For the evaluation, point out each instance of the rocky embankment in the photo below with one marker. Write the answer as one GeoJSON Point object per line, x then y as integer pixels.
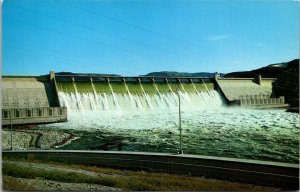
{"type": "Point", "coordinates": [34, 139]}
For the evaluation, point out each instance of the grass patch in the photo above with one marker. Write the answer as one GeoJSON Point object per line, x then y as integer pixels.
{"type": "Point", "coordinates": [14, 170]}
{"type": "Point", "coordinates": [127, 180]}
{"type": "Point", "coordinates": [12, 184]}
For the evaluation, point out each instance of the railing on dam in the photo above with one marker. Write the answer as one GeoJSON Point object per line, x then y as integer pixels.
{"type": "Point", "coordinates": [260, 100]}
{"type": "Point", "coordinates": [32, 115]}
{"type": "Point", "coordinates": [163, 79]}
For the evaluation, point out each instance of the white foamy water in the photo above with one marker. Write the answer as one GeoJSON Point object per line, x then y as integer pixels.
{"type": "Point", "coordinates": [129, 102]}
{"type": "Point", "coordinates": [150, 123]}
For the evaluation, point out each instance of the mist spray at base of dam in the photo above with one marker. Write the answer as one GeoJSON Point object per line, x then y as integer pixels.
{"type": "Point", "coordinates": [149, 123]}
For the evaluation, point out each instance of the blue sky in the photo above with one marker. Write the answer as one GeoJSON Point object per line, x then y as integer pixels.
{"type": "Point", "coordinates": [137, 37]}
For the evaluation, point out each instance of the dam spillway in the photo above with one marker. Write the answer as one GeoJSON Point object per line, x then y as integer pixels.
{"type": "Point", "coordinates": [136, 96]}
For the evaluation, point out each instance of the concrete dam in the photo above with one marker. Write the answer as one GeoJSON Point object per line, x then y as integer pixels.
{"type": "Point", "coordinates": [30, 100]}
{"type": "Point", "coordinates": [46, 99]}
{"type": "Point", "coordinates": [219, 116]}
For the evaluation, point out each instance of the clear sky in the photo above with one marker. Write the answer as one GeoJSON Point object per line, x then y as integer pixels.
{"type": "Point", "coordinates": [137, 37]}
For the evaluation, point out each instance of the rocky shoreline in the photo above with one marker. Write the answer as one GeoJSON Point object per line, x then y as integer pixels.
{"type": "Point", "coordinates": [23, 139]}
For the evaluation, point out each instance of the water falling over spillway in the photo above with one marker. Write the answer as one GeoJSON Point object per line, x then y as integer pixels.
{"type": "Point", "coordinates": [146, 96]}
{"type": "Point", "coordinates": [115, 100]}
{"type": "Point", "coordinates": [128, 102]}
{"type": "Point", "coordinates": [78, 98]}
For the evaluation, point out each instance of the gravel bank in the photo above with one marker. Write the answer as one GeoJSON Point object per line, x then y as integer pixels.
{"type": "Point", "coordinates": [45, 166]}
{"type": "Point", "coordinates": [21, 140]}
{"type": "Point", "coordinates": [49, 185]}
{"type": "Point", "coordinates": [31, 139]}
{"type": "Point", "coordinates": [40, 183]}
{"type": "Point", "coordinates": [50, 139]}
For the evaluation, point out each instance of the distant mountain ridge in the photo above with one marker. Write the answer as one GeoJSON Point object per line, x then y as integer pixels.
{"type": "Point", "coordinates": [182, 74]}
{"type": "Point", "coordinates": [270, 71]}
{"type": "Point", "coordinates": [88, 74]}
{"type": "Point", "coordinates": [160, 74]}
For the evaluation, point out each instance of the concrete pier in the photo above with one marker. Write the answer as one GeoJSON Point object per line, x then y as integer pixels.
{"type": "Point", "coordinates": [33, 115]}
{"type": "Point", "coordinates": [250, 92]}
{"type": "Point", "coordinates": [262, 101]}
{"type": "Point", "coordinates": [31, 100]}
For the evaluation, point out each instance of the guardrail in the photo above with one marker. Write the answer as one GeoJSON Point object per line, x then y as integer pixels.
{"type": "Point", "coordinates": [283, 175]}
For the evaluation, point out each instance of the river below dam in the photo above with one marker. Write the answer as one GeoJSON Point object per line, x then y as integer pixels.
{"type": "Point", "coordinates": [150, 124]}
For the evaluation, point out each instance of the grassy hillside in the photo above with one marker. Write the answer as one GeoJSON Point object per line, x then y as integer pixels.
{"type": "Point", "coordinates": [270, 71]}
